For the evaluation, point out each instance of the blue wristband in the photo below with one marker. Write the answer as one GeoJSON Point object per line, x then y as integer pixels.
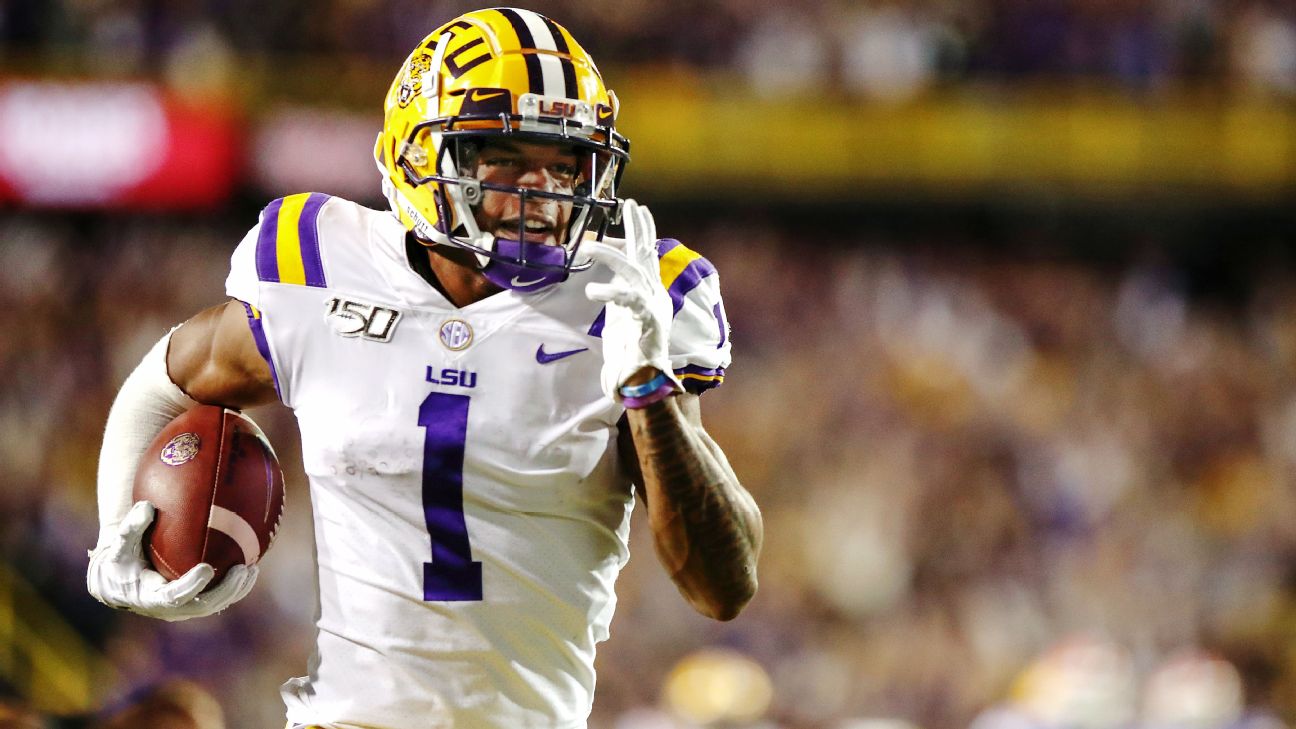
{"type": "Point", "coordinates": [646, 388]}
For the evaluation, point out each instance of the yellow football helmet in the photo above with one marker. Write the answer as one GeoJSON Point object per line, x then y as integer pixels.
{"type": "Point", "coordinates": [491, 73]}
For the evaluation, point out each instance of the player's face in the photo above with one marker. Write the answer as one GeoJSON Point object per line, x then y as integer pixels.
{"type": "Point", "coordinates": [548, 167]}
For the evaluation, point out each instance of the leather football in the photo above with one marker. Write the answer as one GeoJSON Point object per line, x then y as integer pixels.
{"type": "Point", "coordinates": [218, 490]}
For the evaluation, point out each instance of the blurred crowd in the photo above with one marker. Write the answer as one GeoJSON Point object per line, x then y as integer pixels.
{"type": "Point", "coordinates": [888, 49]}
{"type": "Point", "coordinates": [169, 704]}
{"type": "Point", "coordinates": [1020, 493]}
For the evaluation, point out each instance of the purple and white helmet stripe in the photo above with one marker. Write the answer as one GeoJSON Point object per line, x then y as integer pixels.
{"type": "Point", "coordinates": [550, 66]}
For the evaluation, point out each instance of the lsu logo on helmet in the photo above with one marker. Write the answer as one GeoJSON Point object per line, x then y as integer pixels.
{"type": "Point", "coordinates": [490, 73]}
{"type": "Point", "coordinates": [412, 83]}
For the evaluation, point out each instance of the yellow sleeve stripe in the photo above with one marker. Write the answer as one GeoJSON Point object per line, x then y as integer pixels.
{"type": "Point", "coordinates": [674, 262]}
{"type": "Point", "coordinates": [681, 269]}
{"type": "Point", "coordinates": [288, 241]}
{"type": "Point", "coordinates": [288, 248]}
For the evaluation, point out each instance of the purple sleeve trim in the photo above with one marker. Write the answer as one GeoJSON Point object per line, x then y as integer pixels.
{"type": "Point", "coordinates": [697, 387]}
{"type": "Point", "coordinates": [596, 329]}
{"type": "Point", "coordinates": [697, 371]}
{"type": "Point", "coordinates": [308, 233]}
{"type": "Point", "coordinates": [720, 320]}
{"type": "Point", "coordinates": [666, 245]}
{"type": "Point", "coordinates": [262, 344]}
{"type": "Point", "coordinates": [267, 257]}
{"type": "Point", "coordinates": [698, 380]}
{"type": "Point", "coordinates": [688, 280]}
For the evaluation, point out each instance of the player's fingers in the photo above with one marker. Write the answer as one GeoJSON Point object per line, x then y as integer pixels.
{"type": "Point", "coordinates": [631, 300]}
{"type": "Point", "coordinates": [634, 233]}
{"type": "Point", "coordinates": [612, 257]}
{"type": "Point", "coordinates": [609, 241]}
{"type": "Point", "coordinates": [601, 292]}
{"type": "Point", "coordinates": [246, 584]}
{"type": "Point", "coordinates": [136, 520]}
{"type": "Point", "coordinates": [131, 530]}
{"type": "Point", "coordinates": [94, 576]}
{"type": "Point", "coordinates": [629, 269]}
{"type": "Point", "coordinates": [231, 589]}
{"type": "Point", "coordinates": [630, 217]}
{"type": "Point", "coordinates": [187, 586]}
{"type": "Point", "coordinates": [647, 230]}
{"type": "Point", "coordinates": [641, 232]}
{"type": "Point", "coordinates": [628, 208]}
{"type": "Point", "coordinates": [615, 294]}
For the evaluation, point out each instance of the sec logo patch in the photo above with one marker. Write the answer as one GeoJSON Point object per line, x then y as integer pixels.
{"type": "Point", "coordinates": [456, 335]}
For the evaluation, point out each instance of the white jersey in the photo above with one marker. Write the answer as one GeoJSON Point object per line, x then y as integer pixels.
{"type": "Point", "coordinates": [470, 512]}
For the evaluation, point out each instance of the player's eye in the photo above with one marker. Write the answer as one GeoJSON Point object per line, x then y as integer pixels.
{"type": "Point", "coordinates": [501, 162]}
{"type": "Point", "coordinates": [564, 171]}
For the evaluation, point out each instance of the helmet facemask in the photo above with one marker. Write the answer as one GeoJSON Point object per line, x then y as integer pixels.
{"type": "Point", "coordinates": [510, 261]}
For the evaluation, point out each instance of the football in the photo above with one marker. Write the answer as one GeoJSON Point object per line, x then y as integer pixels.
{"type": "Point", "coordinates": [218, 490]}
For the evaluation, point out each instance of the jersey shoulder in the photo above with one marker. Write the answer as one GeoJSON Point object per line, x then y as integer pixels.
{"type": "Point", "coordinates": [683, 270]}
{"type": "Point", "coordinates": [700, 350]}
{"type": "Point", "coordinates": [310, 239]}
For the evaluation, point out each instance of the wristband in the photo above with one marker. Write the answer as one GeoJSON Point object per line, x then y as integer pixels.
{"type": "Point", "coordinates": [641, 396]}
{"type": "Point", "coordinates": [646, 388]}
{"type": "Point", "coordinates": [661, 393]}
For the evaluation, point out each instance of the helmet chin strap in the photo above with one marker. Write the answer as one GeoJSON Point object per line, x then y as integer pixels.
{"type": "Point", "coordinates": [423, 228]}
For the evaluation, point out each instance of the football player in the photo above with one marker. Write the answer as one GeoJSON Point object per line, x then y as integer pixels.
{"type": "Point", "coordinates": [478, 380]}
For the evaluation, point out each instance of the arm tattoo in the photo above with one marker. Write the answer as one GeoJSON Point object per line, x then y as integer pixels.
{"type": "Point", "coordinates": [713, 536]}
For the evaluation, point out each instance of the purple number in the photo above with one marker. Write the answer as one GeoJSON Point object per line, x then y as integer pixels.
{"type": "Point", "coordinates": [452, 574]}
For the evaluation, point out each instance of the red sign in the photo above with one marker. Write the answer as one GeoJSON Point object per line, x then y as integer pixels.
{"type": "Point", "coordinates": [114, 145]}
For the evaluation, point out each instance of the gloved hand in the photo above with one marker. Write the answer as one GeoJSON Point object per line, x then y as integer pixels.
{"type": "Point", "coordinates": [120, 577]}
{"type": "Point", "coordinates": [636, 328]}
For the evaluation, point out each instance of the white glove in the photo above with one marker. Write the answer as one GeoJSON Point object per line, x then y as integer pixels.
{"type": "Point", "coordinates": [120, 577]}
{"type": "Point", "coordinates": [636, 329]}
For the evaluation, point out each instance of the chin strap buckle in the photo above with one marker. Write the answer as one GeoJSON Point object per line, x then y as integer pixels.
{"type": "Point", "coordinates": [472, 191]}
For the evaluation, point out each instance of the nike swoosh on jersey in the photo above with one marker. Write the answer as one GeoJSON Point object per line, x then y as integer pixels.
{"type": "Point", "coordinates": [517, 281]}
{"type": "Point", "coordinates": [544, 357]}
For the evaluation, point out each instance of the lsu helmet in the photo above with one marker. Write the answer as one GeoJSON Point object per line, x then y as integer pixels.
{"type": "Point", "coordinates": [502, 72]}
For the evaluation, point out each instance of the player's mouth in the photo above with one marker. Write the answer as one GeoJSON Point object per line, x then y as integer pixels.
{"type": "Point", "coordinates": [539, 229]}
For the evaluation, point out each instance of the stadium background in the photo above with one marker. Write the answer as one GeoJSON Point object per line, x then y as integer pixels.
{"type": "Point", "coordinates": [1014, 325]}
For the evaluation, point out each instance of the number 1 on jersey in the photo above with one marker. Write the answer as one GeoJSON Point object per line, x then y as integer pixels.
{"type": "Point", "coordinates": [452, 574]}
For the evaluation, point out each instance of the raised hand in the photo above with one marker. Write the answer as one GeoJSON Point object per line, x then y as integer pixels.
{"type": "Point", "coordinates": [636, 329]}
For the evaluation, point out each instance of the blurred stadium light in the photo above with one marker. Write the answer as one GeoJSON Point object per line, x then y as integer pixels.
{"type": "Point", "coordinates": [113, 145]}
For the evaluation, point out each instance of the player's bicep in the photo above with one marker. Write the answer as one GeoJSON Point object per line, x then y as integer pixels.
{"type": "Point", "coordinates": [214, 358]}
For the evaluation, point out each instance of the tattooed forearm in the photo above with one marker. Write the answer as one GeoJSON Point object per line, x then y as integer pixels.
{"type": "Point", "coordinates": [707, 527]}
